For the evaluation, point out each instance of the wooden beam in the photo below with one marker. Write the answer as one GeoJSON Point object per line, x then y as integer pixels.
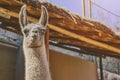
{"type": "Point", "coordinates": [85, 39]}
{"type": "Point", "coordinates": [4, 15]}
{"type": "Point", "coordinates": [68, 33]}
{"type": "Point", "coordinates": [14, 14]}
{"type": "Point", "coordinates": [7, 12]}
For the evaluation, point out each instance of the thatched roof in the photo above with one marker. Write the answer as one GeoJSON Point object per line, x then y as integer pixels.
{"type": "Point", "coordinates": [65, 27]}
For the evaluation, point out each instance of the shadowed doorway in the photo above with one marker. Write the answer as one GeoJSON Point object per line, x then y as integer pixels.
{"type": "Point", "coordinates": [8, 57]}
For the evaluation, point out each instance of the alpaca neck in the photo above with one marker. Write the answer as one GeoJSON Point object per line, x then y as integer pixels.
{"type": "Point", "coordinates": [36, 64]}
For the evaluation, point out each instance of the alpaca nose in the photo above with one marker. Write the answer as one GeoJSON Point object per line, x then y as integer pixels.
{"type": "Point", "coordinates": [34, 36]}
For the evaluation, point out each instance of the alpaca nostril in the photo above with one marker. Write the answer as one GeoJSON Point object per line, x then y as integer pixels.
{"type": "Point", "coordinates": [34, 36]}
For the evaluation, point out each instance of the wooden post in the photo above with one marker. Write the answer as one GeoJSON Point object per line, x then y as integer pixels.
{"type": "Point", "coordinates": [89, 9]}
{"type": "Point", "coordinates": [101, 67]}
{"type": "Point", "coordinates": [119, 67]}
{"type": "Point", "coordinates": [83, 8]}
{"type": "Point", "coordinates": [47, 42]}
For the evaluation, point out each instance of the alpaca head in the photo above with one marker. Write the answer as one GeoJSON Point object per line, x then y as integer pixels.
{"type": "Point", "coordinates": [33, 32]}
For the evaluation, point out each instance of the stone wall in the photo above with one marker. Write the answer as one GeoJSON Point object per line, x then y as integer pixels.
{"type": "Point", "coordinates": [10, 37]}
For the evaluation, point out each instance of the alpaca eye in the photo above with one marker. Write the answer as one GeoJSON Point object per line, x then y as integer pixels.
{"type": "Point", "coordinates": [26, 31]}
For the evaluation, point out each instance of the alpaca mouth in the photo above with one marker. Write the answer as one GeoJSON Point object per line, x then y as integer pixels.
{"type": "Point", "coordinates": [33, 40]}
{"type": "Point", "coordinates": [34, 45]}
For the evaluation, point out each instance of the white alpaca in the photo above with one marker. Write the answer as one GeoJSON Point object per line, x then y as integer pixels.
{"type": "Point", "coordinates": [36, 64]}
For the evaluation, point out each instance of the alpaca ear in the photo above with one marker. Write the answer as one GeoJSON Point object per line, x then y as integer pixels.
{"type": "Point", "coordinates": [23, 17]}
{"type": "Point", "coordinates": [44, 16]}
